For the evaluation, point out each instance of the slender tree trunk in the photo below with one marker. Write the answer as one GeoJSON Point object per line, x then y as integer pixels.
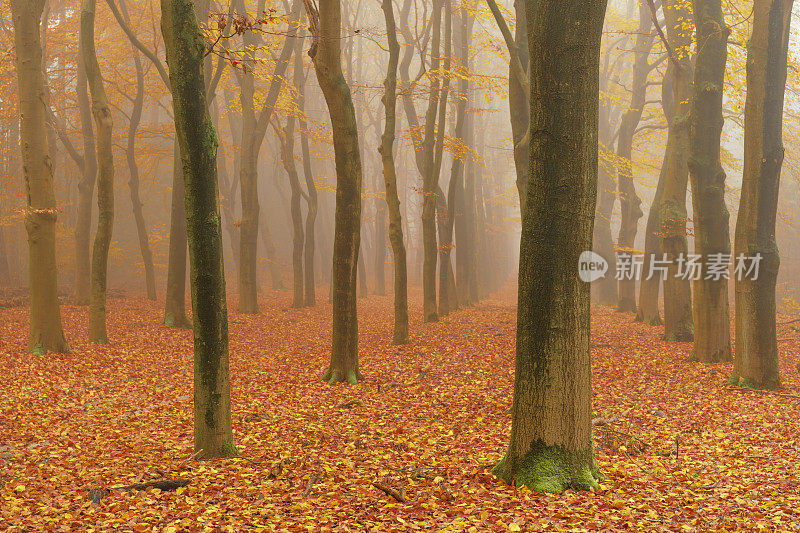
{"type": "Point", "coordinates": [678, 324]}
{"type": "Point", "coordinates": [390, 180]}
{"type": "Point", "coordinates": [105, 183]}
{"type": "Point", "coordinates": [756, 362]}
{"type": "Point", "coordinates": [326, 54]}
{"type": "Point", "coordinates": [133, 181]}
{"type": "Point", "coordinates": [46, 333]}
{"type": "Point", "coordinates": [298, 235]}
{"type": "Point", "coordinates": [630, 202]}
{"type": "Point", "coordinates": [551, 446]}
{"type": "Point", "coordinates": [712, 341]}
{"type": "Point", "coordinates": [185, 47]}
{"type": "Point", "coordinates": [310, 299]}
{"type": "Point", "coordinates": [5, 271]}
{"type": "Point", "coordinates": [175, 305]}
{"type": "Point", "coordinates": [430, 178]}
{"type": "Point", "coordinates": [83, 224]}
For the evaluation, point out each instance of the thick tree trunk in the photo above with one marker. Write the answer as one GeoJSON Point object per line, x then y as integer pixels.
{"type": "Point", "coordinates": [756, 362]}
{"type": "Point", "coordinates": [390, 181]}
{"type": "Point", "coordinates": [712, 341]}
{"type": "Point", "coordinates": [83, 224]}
{"type": "Point", "coordinates": [175, 305]}
{"type": "Point", "coordinates": [46, 333]}
{"type": "Point", "coordinates": [630, 202]}
{"type": "Point", "coordinates": [105, 182]}
{"type": "Point", "coordinates": [551, 433]}
{"type": "Point", "coordinates": [678, 324]}
{"type": "Point", "coordinates": [185, 47]}
{"type": "Point", "coordinates": [326, 53]}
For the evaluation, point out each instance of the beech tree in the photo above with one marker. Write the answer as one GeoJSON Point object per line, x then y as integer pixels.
{"type": "Point", "coordinates": [756, 361]}
{"type": "Point", "coordinates": [386, 150]}
{"type": "Point", "coordinates": [326, 29]}
{"type": "Point", "coordinates": [46, 333]}
{"type": "Point", "coordinates": [185, 47]}
{"type": "Point", "coordinates": [712, 338]}
{"type": "Point", "coordinates": [551, 445]}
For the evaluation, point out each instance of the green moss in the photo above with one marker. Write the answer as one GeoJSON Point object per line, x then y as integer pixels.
{"type": "Point", "coordinates": [229, 449]}
{"type": "Point", "coordinates": [169, 320]}
{"type": "Point", "coordinates": [552, 469]}
{"type": "Point", "coordinates": [39, 350]}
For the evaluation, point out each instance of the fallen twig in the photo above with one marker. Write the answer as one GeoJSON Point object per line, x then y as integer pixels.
{"type": "Point", "coordinates": [310, 485]}
{"type": "Point", "coordinates": [163, 484]}
{"type": "Point", "coordinates": [348, 405]}
{"type": "Point", "coordinates": [604, 421]}
{"type": "Point", "coordinates": [394, 493]}
{"type": "Point", "coordinates": [632, 437]}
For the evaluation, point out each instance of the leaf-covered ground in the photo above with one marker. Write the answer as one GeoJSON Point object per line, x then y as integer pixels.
{"type": "Point", "coordinates": [682, 450]}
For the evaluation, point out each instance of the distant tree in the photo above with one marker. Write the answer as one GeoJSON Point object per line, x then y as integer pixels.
{"type": "Point", "coordinates": [186, 48]}
{"type": "Point", "coordinates": [712, 338]}
{"type": "Point", "coordinates": [386, 150]}
{"type": "Point", "coordinates": [46, 333]}
{"type": "Point", "coordinates": [756, 361]}
{"type": "Point", "coordinates": [101, 111]}
{"type": "Point", "coordinates": [326, 29]}
{"type": "Point", "coordinates": [551, 445]}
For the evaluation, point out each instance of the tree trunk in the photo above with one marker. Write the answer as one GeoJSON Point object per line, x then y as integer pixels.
{"type": "Point", "coordinates": [298, 235]}
{"type": "Point", "coordinates": [630, 202]}
{"type": "Point", "coordinates": [83, 224]}
{"type": "Point", "coordinates": [310, 299]}
{"type": "Point", "coordinates": [712, 341]}
{"type": "Point", "coordinates": [185, 48]}
{"type": "Point", "coordinates": [133, 181]}
{"type": "Point", "coordinates": [326, 54]}
{"type": "Point", "coordinates": [430, 178]}
{"type": "Point", "coordinates": [46, 333]}
{"type": "Point", "coordinates": [105, 183]}
{"type": "Point", "coordinates": [756, 362]}
{"type": "Point", "coordinates": [551, 447]}
{"type": "Point", "coordinates": [175, 305]}
{"type": "Point", "coordinates": [672, 210]}
{"type": "Point", "coordinates": [390, 181]}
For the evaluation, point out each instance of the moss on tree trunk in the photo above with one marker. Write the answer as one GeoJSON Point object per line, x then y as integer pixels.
{"type": "Point", "coordinates": [551, 447]}
{"type": "Point", "coordinates": [185, 46]}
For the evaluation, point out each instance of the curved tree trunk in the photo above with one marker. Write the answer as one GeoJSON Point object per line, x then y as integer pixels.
{"type": "Point", "coordinates": [298, 235]}
{"type": "Point", "coordinates": [326, 54]}
{"type": "Point", "coordinates": [46, 333]}
{"type": "Point", "coordinates": [83, 224]}
{"type": "Point", "coordinates": [105, 183]}
{"type": "Point", "coordinates": [672, 211]}
{"type": "Point", "coordinates": [756, 362]}
{"type": "Point", "coordinates": [213, 436]}
{"type": "Point", "coordinates": [712, 339]}
{"type": "Point", "coordinates": [390, 181]}
{"type": "Point", "coordinates": [551, 447]}
{"type": "Point", "coordinates": [630, 202]}
{"type": "Point", "coordinates": [133, 181]}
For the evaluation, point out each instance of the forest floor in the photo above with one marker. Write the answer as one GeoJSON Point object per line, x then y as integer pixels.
{"type": "Point", "coordinates": [683, 452]}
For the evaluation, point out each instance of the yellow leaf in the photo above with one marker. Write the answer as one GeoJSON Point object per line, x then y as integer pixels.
{"type": "Point", "coordinates": [513, 526]}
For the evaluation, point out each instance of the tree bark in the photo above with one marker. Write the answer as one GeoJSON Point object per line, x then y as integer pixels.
{"type": "Point", "coordinates": [326, 54]}
{"type": "Point", "coordinates": [298, 234]}
{"type": "Point", "coordinates": [185, 48]}
{"type": "Point", "coordinates": [83, 224]}
{"type": "Point", "coordinates": [46, 333]}
{"type": "Point", "coordinates": [630, 202]}
{"type": "Point", "coordinates": [678, 324]}
{"type": "Point", "coordinates": [551, 447]}
{"type": "Point", "coordinates": [101, 111]}
{"type": "Point", "coordinates": [710, 310]}
{"type": "Point", "coordinates": [175, 305]}
{"type": "Point", "coordinates": [390, 180]}
{"type": "Point", "coordinates": [133, 180]}
{"type": "Point", "coordinates": [756, 361]}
